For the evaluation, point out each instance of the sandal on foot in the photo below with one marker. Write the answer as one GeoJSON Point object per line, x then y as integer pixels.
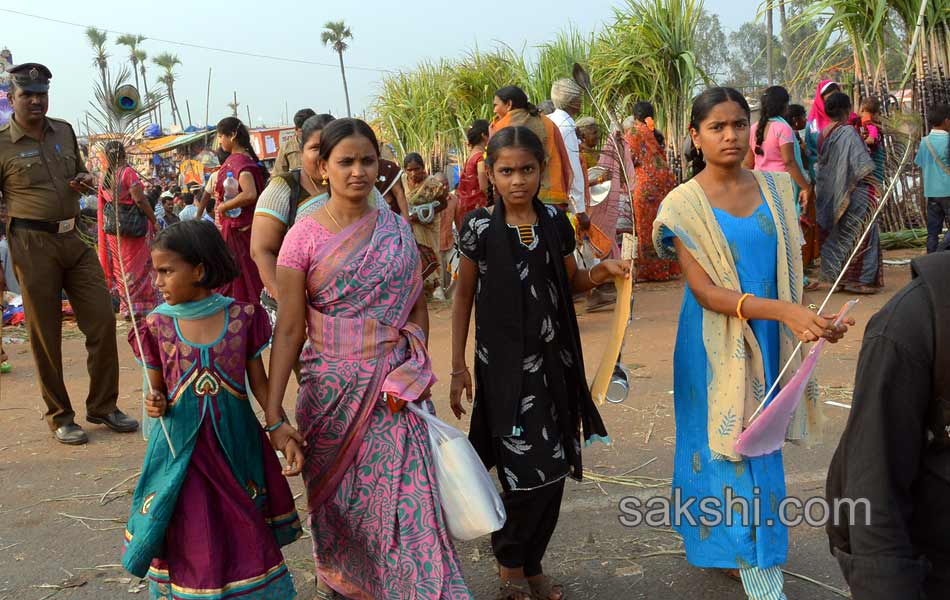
{"type": "Point", "coordinates": [545, 588]}
{"type": "Point", "coordinates": [514, 589]}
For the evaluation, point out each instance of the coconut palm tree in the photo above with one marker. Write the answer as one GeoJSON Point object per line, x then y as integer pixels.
{"type": "Point", "coordinates": [140, 59]}
{"type": "Point", "coordinates": [132, 41]}
{"type": "Point", "coordinates": [335, 34]}
{"type": "Point", "coordinates": [168, 62]}
{"type": "Point", "coordinates": [97, 39]}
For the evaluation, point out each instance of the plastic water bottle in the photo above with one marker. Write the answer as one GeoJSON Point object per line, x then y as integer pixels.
{"type": "Point", "coordinates": [230, 191]}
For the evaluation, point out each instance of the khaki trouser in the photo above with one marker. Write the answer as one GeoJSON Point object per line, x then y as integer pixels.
{"type": "Point", "coordinates": [46, 264]}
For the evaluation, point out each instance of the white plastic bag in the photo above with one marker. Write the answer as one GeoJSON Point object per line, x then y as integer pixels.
{"type": "Point", "coordinates": [469, 499]}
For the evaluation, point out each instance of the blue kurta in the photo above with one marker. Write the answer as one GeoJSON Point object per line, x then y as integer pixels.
{"type": "Point", "coordinates": [697, 475]}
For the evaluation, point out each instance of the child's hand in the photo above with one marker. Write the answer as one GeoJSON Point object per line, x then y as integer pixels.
{"type": "Point", "coordinates": [294, 455]}
{"type": "Point", "coordinates": [461, 381]}
{"type": "Point", "coordinates": [286, 433]}
{"type": "Point", "coordinates": [155, 404]}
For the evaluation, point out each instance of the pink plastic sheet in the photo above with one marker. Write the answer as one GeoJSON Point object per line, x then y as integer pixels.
{"type": "Point", "coordinates": [766, 434]}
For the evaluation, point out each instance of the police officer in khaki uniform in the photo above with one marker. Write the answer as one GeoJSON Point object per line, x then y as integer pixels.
{"type": "Point", "coordinates": [288, 157]}
{"type": "Point", "coordinates": [41, 175]}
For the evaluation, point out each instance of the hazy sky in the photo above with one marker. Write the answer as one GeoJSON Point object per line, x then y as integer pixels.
{"type": "Point", "coordinates": [387, 35]}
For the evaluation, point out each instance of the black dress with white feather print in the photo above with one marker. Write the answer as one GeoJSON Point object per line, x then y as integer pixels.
{"type": "Point", "coordinates": [534, 456]}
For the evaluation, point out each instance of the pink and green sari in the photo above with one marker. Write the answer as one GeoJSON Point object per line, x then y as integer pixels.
{"type": "Point", "coordinates": [378, 528]}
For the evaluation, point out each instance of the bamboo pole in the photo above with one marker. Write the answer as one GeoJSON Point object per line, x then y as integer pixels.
{"type": "Point", "coordinates": [208, 98]}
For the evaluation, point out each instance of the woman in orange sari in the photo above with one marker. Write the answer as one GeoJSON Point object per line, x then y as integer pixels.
{"type": "Point", "coordinates": [654, 180]}
{"type": "Point", "coordinates": [512, 108]}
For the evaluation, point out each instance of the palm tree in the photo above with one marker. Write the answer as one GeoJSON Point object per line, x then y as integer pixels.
{"type": "Point", "coordinates": [97, 39]}
{"type": "Point", "coordinates": [169, 61]}
{"type": "Point", "coordinates": [335, 34]}
{"type": "Point", "coordinates": [132, 41]}
{"type": "Point", "coordinates": [140, 58]}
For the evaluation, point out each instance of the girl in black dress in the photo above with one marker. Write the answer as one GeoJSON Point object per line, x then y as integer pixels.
{"type": "Point", "coordinates": [532, 403]}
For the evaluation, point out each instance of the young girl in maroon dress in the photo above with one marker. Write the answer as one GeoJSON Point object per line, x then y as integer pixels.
{"type": "Point", "coordinates": [211, 508]}
{"type": "Point", "coordinates": [235, 216]}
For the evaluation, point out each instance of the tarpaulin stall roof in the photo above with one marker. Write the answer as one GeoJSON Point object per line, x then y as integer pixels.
{"type": "Point", "coordinates": [168, 142]}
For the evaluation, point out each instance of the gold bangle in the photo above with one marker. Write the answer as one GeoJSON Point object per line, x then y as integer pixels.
{"type": "Point", "coordinates": [739, 306]}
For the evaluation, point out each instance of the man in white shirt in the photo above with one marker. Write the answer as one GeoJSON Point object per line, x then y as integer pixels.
{"type": "Point", "coordinates": [566, 96]}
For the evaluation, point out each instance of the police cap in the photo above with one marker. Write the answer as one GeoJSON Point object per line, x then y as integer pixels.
{"type": "Point", "coordinates": [31, 77]}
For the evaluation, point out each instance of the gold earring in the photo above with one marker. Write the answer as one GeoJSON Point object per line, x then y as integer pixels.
{"type": "Point", "coordinates": [325, 181]}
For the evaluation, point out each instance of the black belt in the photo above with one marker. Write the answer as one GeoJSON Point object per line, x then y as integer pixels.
{"type": "Point", "coordinates": [44, 226]}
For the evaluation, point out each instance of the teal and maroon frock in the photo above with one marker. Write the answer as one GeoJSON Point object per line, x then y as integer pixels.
{"type": "Point", "coordinates": [209, 523]}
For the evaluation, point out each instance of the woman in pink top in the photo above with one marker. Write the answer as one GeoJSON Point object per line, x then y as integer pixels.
{"type": "Point", "coordinates": [774, 146]}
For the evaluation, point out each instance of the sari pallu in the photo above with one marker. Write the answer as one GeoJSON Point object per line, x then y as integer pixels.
{"type": "Point", "coordinates": [378, 529]}
{"type": "Point", "coordinates": [236, 232]}
{"type": "Point", "coordinates": [846, 199]}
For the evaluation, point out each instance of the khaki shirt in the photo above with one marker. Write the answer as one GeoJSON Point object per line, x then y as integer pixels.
{"type": "Point", "coordinates": [288, 157]}
{"type": "Point", "coordinates": [35, 175]}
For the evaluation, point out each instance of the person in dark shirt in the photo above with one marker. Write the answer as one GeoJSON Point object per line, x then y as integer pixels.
{"type": "Point", "coordinates": [895, 449]}
{"type": "Point", "coordinates": [168, 203]}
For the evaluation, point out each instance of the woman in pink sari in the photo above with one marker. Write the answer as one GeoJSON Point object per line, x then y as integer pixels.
{"type": "Point", "coordinates": [350, 287]}
{"type": "Point", "coordinates": [234, 216]}
{"type": "Point", "coordinates": [126, 219]}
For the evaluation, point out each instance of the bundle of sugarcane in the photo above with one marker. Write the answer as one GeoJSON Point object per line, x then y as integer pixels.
{"type": "Point", "coordinates": [905, 238]}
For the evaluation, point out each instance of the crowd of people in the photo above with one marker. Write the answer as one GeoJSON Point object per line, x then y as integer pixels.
{"type": "Point", "coordinates": [330, 261]}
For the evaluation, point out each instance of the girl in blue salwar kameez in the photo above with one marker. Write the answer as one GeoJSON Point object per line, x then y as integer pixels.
{"type": "Point", "coordinates": [736, 235]}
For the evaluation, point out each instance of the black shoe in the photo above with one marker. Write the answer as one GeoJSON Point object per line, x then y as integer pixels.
{"type": "Point", "coordinates": [71, 434]}
{"type": "Point", "coordinates": [117, 421]}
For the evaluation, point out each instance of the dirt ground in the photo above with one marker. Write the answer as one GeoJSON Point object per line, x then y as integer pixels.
{"type": "Point", "coordinates": [62, 509]}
